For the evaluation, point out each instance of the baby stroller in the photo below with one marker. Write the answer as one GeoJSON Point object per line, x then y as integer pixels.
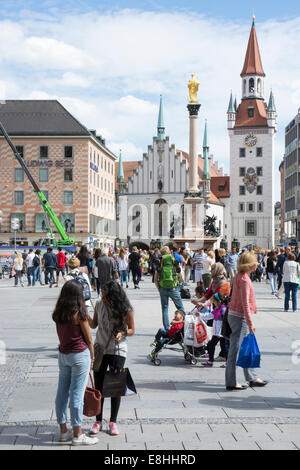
{"type": "Point", "coordinates": [178, 339]}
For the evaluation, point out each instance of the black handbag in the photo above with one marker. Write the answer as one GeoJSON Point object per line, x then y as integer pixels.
{"type": "Point", "coordinates": [118, 383]}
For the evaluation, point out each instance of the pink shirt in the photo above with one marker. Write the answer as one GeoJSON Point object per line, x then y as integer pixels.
{"type": "Point", "coordinates": [243, 302]}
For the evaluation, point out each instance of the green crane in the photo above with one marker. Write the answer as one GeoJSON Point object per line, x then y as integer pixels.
{"type": "Point", "coordinates": [65, 240]}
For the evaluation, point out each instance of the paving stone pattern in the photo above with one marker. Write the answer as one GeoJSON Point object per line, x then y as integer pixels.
{"type": "Point", "coordinates": [178, 406]}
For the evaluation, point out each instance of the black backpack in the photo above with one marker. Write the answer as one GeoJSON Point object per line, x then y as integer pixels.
{"type": "Point", "coordinates": [85, 285]}
{"type": "Point", "coordinates": [36, 261]}
{"type": "Point", "coordinates": [185, 293]}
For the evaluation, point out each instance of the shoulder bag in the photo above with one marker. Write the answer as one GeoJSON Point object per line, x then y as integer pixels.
{"type": "Point", "coordinates": [92, 400]}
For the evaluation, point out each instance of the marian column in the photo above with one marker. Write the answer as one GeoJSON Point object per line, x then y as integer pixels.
{"type": "Point", "coordinates": [193, 108]}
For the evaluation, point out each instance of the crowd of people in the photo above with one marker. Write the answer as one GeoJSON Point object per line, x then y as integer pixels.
{"type": "Point", "coordinates": [223, 287]}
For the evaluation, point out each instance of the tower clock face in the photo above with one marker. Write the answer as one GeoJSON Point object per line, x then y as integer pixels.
{"type": "Point", "coordinates": [251, 140]}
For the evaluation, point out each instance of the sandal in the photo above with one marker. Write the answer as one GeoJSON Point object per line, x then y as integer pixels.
{"type": "Point", "coordinates": [241, 387]}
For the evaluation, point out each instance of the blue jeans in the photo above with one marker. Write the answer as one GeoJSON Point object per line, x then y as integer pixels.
{"type": "Point", "coordinates": [49, 271]}
{"type": "Point", "coordinates": [288, 287]}
{"type": "Point", "coordinates": [124, 277]}
{"type": "Point", "coordinates": [37, 275]}
{"type": "Point", "coordinates": [273, 281]}
{"type": "Point", "coordinates": [162, 337]}
{"type": "Point", "coordinates": [74, 371]}
{"type": "Point", "coordinates": [173, 294]}
{"type": "Point", "coordinates": [30, 272]}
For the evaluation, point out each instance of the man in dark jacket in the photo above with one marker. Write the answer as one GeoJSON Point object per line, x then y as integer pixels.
{"type": "Point", "coordinates": [50, 261]}
{"type": "Point", "coordinates": [280, 262]}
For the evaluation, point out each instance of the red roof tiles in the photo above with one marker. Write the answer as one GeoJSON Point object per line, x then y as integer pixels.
{"type": "Point", "coordinates": [253, 64]}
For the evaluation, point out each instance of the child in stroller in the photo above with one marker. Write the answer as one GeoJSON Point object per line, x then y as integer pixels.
{"type": "Point", "coordinates": [163, 337]}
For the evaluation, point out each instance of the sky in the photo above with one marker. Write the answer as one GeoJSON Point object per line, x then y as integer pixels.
{"type": "Point", "coordinates": [109, 61]}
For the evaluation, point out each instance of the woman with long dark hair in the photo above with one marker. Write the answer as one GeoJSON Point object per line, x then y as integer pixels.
{"type": "Point", "coordinates": [84, 258]}
{"type": "Point", "coordinates": [75, 357]}
{"type": "Point", "coordinates": [114, 318]}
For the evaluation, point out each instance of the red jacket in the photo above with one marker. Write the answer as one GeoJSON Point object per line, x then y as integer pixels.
{"type": "Point", "coordinates": [174, 329]}
{"type": "Point", "coordinates": [61, 259]}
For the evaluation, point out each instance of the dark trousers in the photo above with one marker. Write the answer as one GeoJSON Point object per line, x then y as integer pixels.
{"type": "Point", "coordinates": [224, 343]}
{"type": "Point", "coordinates": [288, 288]}
{"type": "Point", "coordinates": [49, 272]}
{"type": "Point", "coordinates": [136, 275]}
{"type": "Point", "coordinates": [162, 337]}
{"type": "Point", "coordinates": [113, 362]}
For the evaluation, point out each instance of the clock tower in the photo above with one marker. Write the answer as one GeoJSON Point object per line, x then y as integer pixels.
{"type": "Point", "coordinates": [252, 128]}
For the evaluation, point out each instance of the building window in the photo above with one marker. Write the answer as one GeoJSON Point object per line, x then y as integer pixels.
{"type": "Point", "coordinates": [68, 197]}
{"type": "Point", "coordinates": [260, 207]}
{"type": "Point", "coordinates": [242, 171]}
{"type": "Point", "coordinates": [21, 218]}
{"type": "Point", "coordinates": [20, 150]}
{"type": "Point", "coordinates": [19, 198]}
{"type": "Point", "coordinates": [19, 175]}
{"type": "Point", "coordinates": [43, 175]}
{"type": "Point", "coordinates": [172, 174]}
{"type": "Point", "coordinates": [251, 228]}
{"type": "Point", "coordinates": [151, 175]}
{"type": "Point", "coordinates": [68, 174]}
{"type": "Point", "coordinates": [251, 85]}
{"type": "Point", "coordinates": [242, 191]}
{"type": "Point", "coordinates": [104, 165]}
{"type": "Point", "coordinates": [259, 151]}
{"type": "Point", "coordinates": [251, 207]}
{"type": "Point", "coordinates": [242, 152]}
{"type": "Point", "coordinates": [68, 222]}
{"type": "Point", "coordinates": [259, 171]}
{"type": "Point", "coordinates": [44, 151]}
{"type": "Point", "coordinates": [102, 182]}
{"type": "Point", "coordinates": [250, 111]}
{"type": "Point", "coordinates": [259, 190]}
{"type": "Point", "coordinates": [68, 151]}
{"type": "Point", "coordinates": [241, 207]}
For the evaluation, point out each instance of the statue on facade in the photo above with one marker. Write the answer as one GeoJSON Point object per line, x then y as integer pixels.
{"type": "Point", "coordinates": [210, 229]}
{"type": "Point", "coordinates": [193, 86]}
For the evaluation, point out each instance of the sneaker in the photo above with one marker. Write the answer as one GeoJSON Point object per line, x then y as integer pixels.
{"type": "Point", "coordinates": [66, 436]}
{"type": "Point", "coordinates": [150, 357]}
{"type": "Point", "coordinates": [113, 430]}
{"type": "Point", "coordinates": [84, 440]}
{"type": "Point", "coordinates": [154, 344]}
{"type": "Point", "coordinates": [223, 366]}
{"type": "Point", "coordinates": [207, 364]}
{"type": "Point", "coordinates": [277, 295]}
{"type": "Point", "coordinates": [220, 359]}
{"type": "Point", "coordinates": [97, 427]}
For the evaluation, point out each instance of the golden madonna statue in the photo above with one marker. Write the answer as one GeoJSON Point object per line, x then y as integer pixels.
{"type": "Point", "coordinates": [193, 86]}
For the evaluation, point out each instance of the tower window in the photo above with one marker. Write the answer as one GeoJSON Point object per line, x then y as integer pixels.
{"type": "Point", "coordinates": [242, 191]}
{"type": "Point", "coordinates": [259, 190]}
{"type": "Point", "coordinates": [259, 152]}
{"type": "Point", "coordinates": [250, 111]}
{"type": "Point", "coordinates": [242, 152]}
{"type": "Point", "coordinates": [241, 207]}
{"type": "Point", "coordinates": [242, 171]}
{"type": "Point", "coordinates": [251, 85]}
{"type": "Point", "coordinates": [260, 207]}
{"type": "Point", "coordinates": [251, 228]}
{"type": "Point", "coordinates": [259, 171]}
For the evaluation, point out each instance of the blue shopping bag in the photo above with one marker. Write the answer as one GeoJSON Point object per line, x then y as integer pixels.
{"type": "Point", "coordinates": [249, 356]}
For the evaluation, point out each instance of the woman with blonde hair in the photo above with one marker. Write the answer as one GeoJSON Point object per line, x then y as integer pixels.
{"type": "Point", "coordinates": [18, 267]}
{"type": "Point", "coordinates": [241, 308]}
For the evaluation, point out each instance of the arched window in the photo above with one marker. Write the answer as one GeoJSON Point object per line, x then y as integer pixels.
{"type": "Point", "coordinates": [251, 85]}
{"type": "Point", "coordinates": [259, 86]}
{"type": "Point", "coordinates": [244, 86]}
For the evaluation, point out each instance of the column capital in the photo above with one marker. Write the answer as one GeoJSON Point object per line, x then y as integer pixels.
{"type": "Point", "coordinates": [193, 109]}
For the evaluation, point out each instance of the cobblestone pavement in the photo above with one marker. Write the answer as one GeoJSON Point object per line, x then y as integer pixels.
{"type": "Point", "coordinates": [178, 406]}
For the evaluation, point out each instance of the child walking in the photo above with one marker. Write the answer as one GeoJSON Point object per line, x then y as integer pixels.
{"type": "Point", "coordinates": [163, 336]}
{"type": "Point", "coordinates": [220, 306]}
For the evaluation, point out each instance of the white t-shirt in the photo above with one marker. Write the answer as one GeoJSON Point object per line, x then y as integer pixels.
{"type": "Point", "coordinates": [206, 265]}
{"type": "Point", "coordinates": [30, 259]}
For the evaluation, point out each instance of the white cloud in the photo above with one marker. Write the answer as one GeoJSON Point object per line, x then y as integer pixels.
{"type": "Point", "coordinates": [115, 65]}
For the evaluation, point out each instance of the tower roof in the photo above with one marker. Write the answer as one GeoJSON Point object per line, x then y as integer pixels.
{"type": "Point", "coordinates": [120, 177]}
{"type": "Point", "coordinates": [271, 105]}
{"type": "Point", "coordinates": [230, 106]}
{"type": "Point", "coordinates": [160, 123]}
{"type": "Point", "coordinates": [253, 64]}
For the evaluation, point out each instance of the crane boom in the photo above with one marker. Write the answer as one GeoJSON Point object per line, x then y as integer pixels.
{"type": "Point", "coordinates": [65, 241]}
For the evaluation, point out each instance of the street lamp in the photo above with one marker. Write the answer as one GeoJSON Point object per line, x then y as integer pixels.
{"type": "Point", "coordinates": [235, 244]}
{"type": "Point", "coordinates": [15, 225]}
{"type": "Point", "coordinates": [224, 244]}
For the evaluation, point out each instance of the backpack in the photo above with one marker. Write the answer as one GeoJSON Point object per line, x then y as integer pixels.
{"type": "Point", "coordinates": [168, 278]}
{"type": "Point", "coordinates": [185, 293]}
{"type": "Point", "coordinates": [85, 285]}
{"type": "Point", "coordinates": [36, 262]}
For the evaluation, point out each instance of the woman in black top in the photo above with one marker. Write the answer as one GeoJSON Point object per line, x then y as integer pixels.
{"type": "Point", "coordinates": [84, 258]}
{"type": "Point", "coordinates": [270, 269]}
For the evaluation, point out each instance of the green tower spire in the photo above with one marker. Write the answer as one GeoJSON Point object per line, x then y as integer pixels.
{"type": "Point", "coordinates": [206, 172]}
{"type": "Point", "coordinates": [271, 106]}
{"type": "Point", "coordinates": [120, 177]}
{"type": "Point", "coordinates": [160, 123]}
{"type": "Point", "coordinates": [230, 106]}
